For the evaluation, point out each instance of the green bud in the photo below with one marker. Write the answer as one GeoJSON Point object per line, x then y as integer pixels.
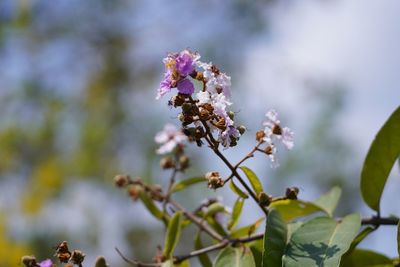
{"type": "Point", "coordinates": [231, 115]}
{"type": "Point", "coordinates": [241, 129]}
{"type": "Point", "coordinates": [184, 162]}
{"type": "Point", "coordinates": [264, 199]}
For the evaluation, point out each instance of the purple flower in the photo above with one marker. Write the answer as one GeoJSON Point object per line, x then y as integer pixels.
{"type": "Point", "coordinates": [186, 87]}
{"type": "Point", "coordinates": [165, 85]}
{"type": "Point", "coordinates": [184, 63]}
{"type": "Point", "coordinates": [46, 263]}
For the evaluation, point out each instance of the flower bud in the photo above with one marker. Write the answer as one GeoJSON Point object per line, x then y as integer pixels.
{"type": "Point", "coordinates": [269, 150]}
{"type": "Point", "coordinates": [156, 193]}
{"type": "Point", "coordinates": [134, 191]}
{"type": "Point", "coordinates": [177, 100]}
{"type": "Point", "coordinates": [277, 129]}
{"type": "Point", "coordinates": [233, 142]}
{"type": "Point", "coordinates": [292, 192]}
{"type": "Point", "coordinates": [214, 180]}
{"type": "Point", "coordinates": [62, 252]}
{"type": "Point", "coordinates": [77, 257]}
{"type": "Point", "coordinates": [167, 163]}
{"type": "Point", "coordinates": [264, 199]}
{"type": "Point", "coordinates": [187, 108]}
{"type": "Point", "coordinates": [231, 115]}
{"type": "Point", "coordinates": [121, 180]}
{"type": "Point", "coordinates": [29, 261]}
{"type": "Point", "coordinates": [260, 135]}
{"type": "Point", "coordinates": [184, 162]}
{"type": "Point", "coordinates": [199, 132]}
{"type": "Point", "coordinates": [241, 129]}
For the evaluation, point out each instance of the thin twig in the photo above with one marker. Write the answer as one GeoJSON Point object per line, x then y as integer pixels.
{"type": "Point", "coordinates": [198, 221]}
{"type": "Point", "coordinates": [135, 262]}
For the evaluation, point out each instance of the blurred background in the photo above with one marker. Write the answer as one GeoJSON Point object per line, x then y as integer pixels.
{"type": "Point", "coordinates": [78, 81]}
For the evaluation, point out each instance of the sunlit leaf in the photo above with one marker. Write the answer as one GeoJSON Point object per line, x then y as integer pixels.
{"type": "Point", "coordinates": [246, 230]}
{"type": "Point", "coordinates": [291, 209]}
{"type": "Point", "coordinates": [384, 151]}
{"type": "Point", "coordinates": [237, 190]}
{"type": "Point", "coordinates": [203, 258]}
{"type": "Point", "coordinates": [321, 241]}
{"type": "Point", "coordinates": [173, 234]}
{"type": "Point", "coordinates": [235, 257]}
{"type": "Point", "coordinates": [275, 238]}
{"type": "Point", "coordinates": [188, 182]}
{"type": "Point", "coordinates": [237, 210]}
{"type": "Point", "coordinates": [254, 181]}
{"type": "Point", "coordinates": [365, 258]}
{"type": "Point", "coordinates": [329, 200]}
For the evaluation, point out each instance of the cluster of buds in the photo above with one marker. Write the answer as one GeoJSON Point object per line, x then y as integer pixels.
{"type": "Point", "coordinates": [214, 180]}
{"type": "Point", "coordinates": [65, 256]}
{"type": "Point", "coordinates": [203, 112]}
{"type": "Point", "coordinates": [135, 187]}
{"type": "Point", "coordinates": [273, 132]}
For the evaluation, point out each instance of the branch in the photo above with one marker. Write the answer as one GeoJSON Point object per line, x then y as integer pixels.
{"type": "Point", "coordinates": [380, 221]}
{"type": "Point", "coordinates": [198, 221]}
{"type": "Point", "coordinates": [135, 262]}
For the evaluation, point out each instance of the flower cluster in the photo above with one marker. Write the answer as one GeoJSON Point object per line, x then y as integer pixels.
{"type": "Point", "coordinates": [204, 112]}
{"type": "Point", "coordinates": [273, 131]}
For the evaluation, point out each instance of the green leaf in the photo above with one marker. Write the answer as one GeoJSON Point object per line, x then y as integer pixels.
{"type": "Point", "coordinates": [149, 204]}
{"type": "Point", "coordinates": [365, 258]}
{"type": "Point", "coordinates": [246, 230]}
{"type": "Point", "coordinates": [237, 210]}
{"type": "Point", "coordinates": [216, 226]}
{"type": "Point", "coordinates": [188, 182]}
{"type": "Point", "coordinates": [321, 242]}
{"type": "Point", "coordinates": [291, 228]}
{"type": "Point", "coordinates": [329, 201]}
{"type": "Point", "coordinates": [256, 248]}
{"type": "Point", "coordinates": [274, 240]}
{"type": "Point", "coordinates": [254, 181]}
{"type": "Point", "coordinates": [235, 257]}
{"type": "Point", "coordinates": [360, 237]}
{"type": "Point", "coordinates": [290, 209]}
{"type": "Point", "coordinates": [203, 258]}
{"type": "Point", "coordinates": [237, 190]}
{"type": "Point", "coordinates": [100, 262]}
{"type": "Point", "coordinates": [398, 238]}
{"type": "Point", "coordinates": [173, 234]}
{"type": "Point", "coordinates": [214, 208]}
{"type": "Point", "coordinates": [382, 154]}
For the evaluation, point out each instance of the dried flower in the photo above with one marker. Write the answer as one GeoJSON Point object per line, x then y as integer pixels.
{"type": "Point", "coordinates": [214, 180]}
{"type": "Point", "coordinates": [121, 180]}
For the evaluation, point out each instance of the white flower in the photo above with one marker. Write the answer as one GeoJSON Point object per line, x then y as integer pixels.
{"type": "Point", "coordinates": [203, 97]}
{"type": "Point", "coordinates": [274, 130]}
{"type": "Point", "coordinates": [287, 138]}
{"type": "Point", "coordinates": [169, 138]}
